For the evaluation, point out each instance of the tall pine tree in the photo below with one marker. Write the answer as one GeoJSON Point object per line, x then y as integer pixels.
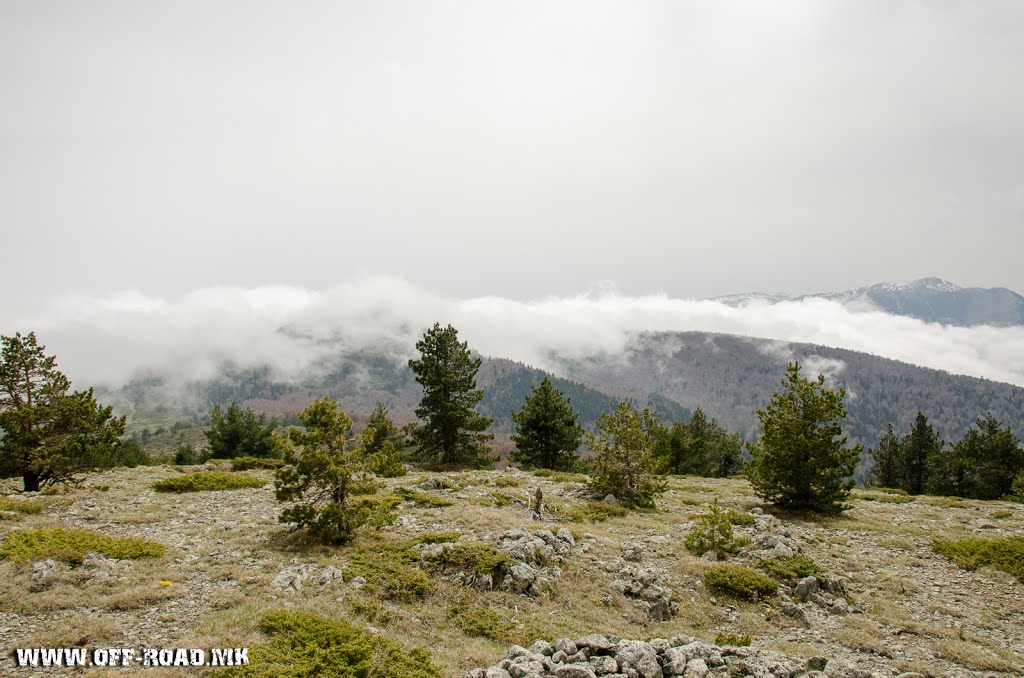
{"type": "Point", "coordinates": [547, 435]}
{"type": "Point", "coordinates": [452, 432]}
{"type": "Point", "coordinates": [888, 470]}
{"type": "Point", "coordinates": [802, 463]}
{"type": "Point", "coordinates": [624, 463]}
{"type": "Point", "coordinates": [920, 451]}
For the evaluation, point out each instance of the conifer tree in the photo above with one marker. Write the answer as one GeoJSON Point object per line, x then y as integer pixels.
{"type": "Point", "coordinates": [49, 431]}
{"type": "Point", "coordinates": [383, 444]}
{"type": "Point", "coordinates": [547, 435]}
{"type": "Point", "coordinates": [981, 465]}
{"type": "Point", "coordinates": [624, 463]}
{"type": "Point", "coordinates": [802, 463]}
{"type": "Point", "coordinates": [921, 449]}
{"type": "Point", "coordinates": [888, 470]}
{"type": "Point", "coordinates": [240, 433]}
{"type": "Point", "coordinates": [452, 432]}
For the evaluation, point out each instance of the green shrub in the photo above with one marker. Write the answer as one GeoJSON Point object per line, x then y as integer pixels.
{"type": "Point", "coordinates": [480, 621]}
{"type": "Point", "coordinates": [734, 639]}
{"type": "Point", "coordinates": [561, 476]}
{"type": "Point", "coordinates": [25, 506]}
{"type": "Point", "coordinates": [999, 515]}
{"type": "Point", "coordinates": [474, 557]}
{"type": "Point", "coordinates": [207, 481]}
{"type": "Point", "coordinates": [739, 581]}
{"type": "Point", "coordinates": [422, 498]}
{"type": "Point", "coordinates": [249, 463]}
{"type": "Point", "coordinates": [304, 644]}
{"type": "Point", "coordinates": [72, 544]}
{"type": "Point", "coordinates": [392, 575]}
{"type": "Point", "coordinates": [796, 566]}
{"type": "Point", "coordinates": [595, 512]}
{"type": "Point", "coordinates": [740, 517]}
{"type": "Point", "coordinates": [1005, 554]}
{"type": "Point", "coordinates": [435, 538]}
{"type": "Point", "coordinates": [507, 481]}
{"type": "Point", "coordinates": [713, 532]}
{"type": "Point", "coordinates": [363, 486]}
{"type": "Point", "coordinates": [1017, 488]}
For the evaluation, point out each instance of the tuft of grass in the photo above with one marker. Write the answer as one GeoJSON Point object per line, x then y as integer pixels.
{"type": "Point", "coordinates": [1006, 554]}
{"type": "Point", "coordinates": [796, 566]}
{"type": "Point", "coordinates": [974, 656]}
{"type": "Point", "coordinates": [435, 538]}
{"type": "Point", "coordinates": [305, 644]}
{"type": "Point", "coordinates": [1000, 515]}
{"type": "Point", "coordinates": [24, 506]}
{"type": "Point", "coordinates": [249, 463]}
{"type": "Point", "coordinates": [595, 512]}
{"type": "Point", "coordinates": [207, 481]}
{"type": "Point", "coordinates": [422, 498]}
{"type": "Point", "coordinates": [886, 498]}
{"type": "Point", "coordinates": [739, 581]}
{"type": "Point", "coordinates": [946, 502]}
{"type": "Point", "coordinates": [734, 639]}
{"type": "Point", "coordinates": [72, 544]}
{"type": "Point", "coordinates": [508, 481]}
{"type": "Point", "coordinates": [740, 517]}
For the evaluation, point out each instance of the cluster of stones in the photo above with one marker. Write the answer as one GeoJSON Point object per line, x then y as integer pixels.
{"type": "Point", "coordinates": [538, 554]}
{"type": "Point", "coordinates": [600, 656]}
{"type": "Point", "coordinates": [96, 565]}
{"type": "Point", "coordinates": [645, 586]}
{"type": "Point", "coordinates": [292, 578]}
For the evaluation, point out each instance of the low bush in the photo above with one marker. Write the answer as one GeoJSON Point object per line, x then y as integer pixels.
{"type": "Point", "coordinates": [733, 639]}
{"type": "Point", "coordinates": [595, 512]}
{"type": "Point", "coordinates": [24, 506]}
{"type": "Point", "coordinates": [480, 621]}
{"type": "Point", "coordinates": [305, 644]}
{"type": "Point", "coordinates": [435, 538]}
{"type": "Point", "coordinates": [886, 498]}
{"type": "Point", "coordinates": [72, 544]}
{"type": "Point", "coordinates": [207, 481]}
{"type": "Point", "coordinates": [796, 566]}
{"type": "Point", "coordinates": [392, 575]}
{"type": "Point", "coordinates": [739, 581]}
{"type": "Point", "coordinates": [422, 498]}
{"type": "Point", "coordinates": [507, 481]}
{"type": "Point", "coordinates": [1006, 554]}
{"type": "Point", "coordinates": [249, 463]}
{"type": "Point", "coordinates": [561, 476]}
{"type": "Point", "coordinates": [474, 557]}
{"type": "Point", "coordinates": [740, 517]}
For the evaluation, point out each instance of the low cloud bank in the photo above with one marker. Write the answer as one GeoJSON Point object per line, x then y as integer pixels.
{"type": "Point", "coordinates": [108, 340]}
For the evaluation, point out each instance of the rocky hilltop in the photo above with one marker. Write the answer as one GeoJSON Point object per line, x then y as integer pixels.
{"type": "Point", "coordinates": [469, 572]}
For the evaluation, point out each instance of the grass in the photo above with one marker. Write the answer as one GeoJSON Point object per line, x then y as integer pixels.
{"type": "Point", "coordinates": [305, 644]}
{"type": "Point", "coordinates": [734, 639]}
{"type": "Point", "coordinates": [71, 545]}
{"type": "Point", "coordinates": [1006, 554]}
{"type": "Point", "coordinates": [24, 506]}
{"type": "Point", "coordinates": [207, 481]}
{"type": "Point", "coordinates": [886, 498]}
{"type": "Point", "coordinates": [508, 481]}
{"type": "Point", "coordinates": [478, 620]}
{"type": "Point", "coordinates": [974, 656]}
{"type": "Point", "coordinates": [740, 517]}
{"type": "Point", "coordinates": [561, 476]}
{"type": "Point", "coordinates": [391, 574]}
{"type": "Point", "coordinates": [739, 581]}
{"type": "Point", "coordinates": [946, 502]}
{"type": "Point", "coordinates": [1000, 515]}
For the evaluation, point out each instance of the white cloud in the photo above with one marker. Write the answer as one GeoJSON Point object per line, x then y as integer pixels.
{"type": "Point", "coordinates": [108, 339]}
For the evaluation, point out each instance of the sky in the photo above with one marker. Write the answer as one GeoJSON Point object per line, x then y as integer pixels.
{"type": "Point", "coordinates": [520, 153]}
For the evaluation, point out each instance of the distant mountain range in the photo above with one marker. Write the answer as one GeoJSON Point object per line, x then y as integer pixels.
{"type": "Point", "coordinates": [929, 299]}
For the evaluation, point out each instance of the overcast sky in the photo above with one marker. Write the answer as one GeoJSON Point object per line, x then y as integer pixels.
{"type": "Point", "coordinates": [514, 149]}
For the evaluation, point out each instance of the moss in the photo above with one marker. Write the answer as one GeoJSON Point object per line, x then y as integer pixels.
{"type": "Point", "coordinates": [734, 639]}
{"type": "Point", "coordinates": [392, 575]}
{"type": "Point", "coordinates": [1006, 554]}
{"type": "Point", "coordinates": [796, 566]}
{"type": "Point", "coordinates": [71, 545]}
{"type": "Point", "coordinates": [739, 581]}
{"type": "Point", "coordinates": [304, 644]}
{"type": "Point", "coordinates": [480, 621]}
{"type": "Point", "coordinates": [207, 481]}
{"type": "Point", "coordinates": [422, 498]}
{"type": "Point", "coordinates": [249, 463]}
{"type": "Point", "coordinates": [595, 512]}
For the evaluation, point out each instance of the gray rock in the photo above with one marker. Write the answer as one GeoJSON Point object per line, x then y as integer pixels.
{"type": "Point", "coordinates": [559, 657]}
{"type": "Point", "coordinates": [290, 579]}
{"type": "Point", "coordinates": [565, 535]}
{"type": "Point", "coordinates": [696, 668]}
{"type": "Point", "coordinates": [520, 577]}
{"type": "Point", "coordinates": [542, 647]}
{"type": "Point", "coordinates": [603, 665]}
{"type": "Point", "coordinates": [636, 658]}
{"type": "Point", "coordinates": [710, 556]}
{"type": "Point", "coordinates": [634, 552]}
{"type": "Point", "coordinates": [526, 665]}
{"type": "Point", "coordinates": [565, 645]}
{"type": "Point", "coordinates": [817, 663]}
{"type": "Point", "coordinates": [330, 574]}
{"type": "Point", "coordinates": [475, 673]}
{"type": "Point", "coordinates": [599, 643]}
{"type": "Point", "coordinates": [610, 499]}
{"type": "Point", "coordinates": [496, 672]}
{"type": "Point", "coordinates": [805, 587]}
{"type": "Point", "coordinates": [574, 671]}
{"type": "Point", "coordinates": [43, 569]}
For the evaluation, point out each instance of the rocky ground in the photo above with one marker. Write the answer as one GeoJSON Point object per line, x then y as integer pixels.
{"type": "Point", "coordinates": [885, 604]}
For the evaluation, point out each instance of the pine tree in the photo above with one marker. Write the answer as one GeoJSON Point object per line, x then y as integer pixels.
{"type": "Point", "coordinates": [50, 432]}
{"type": "Point", "coordinates": [383, 444]}
{"type": "Point", "coordinates": [801, 463]}
{"type": "Point", "coordinates": [701, 447]}
{"type": "Point", "coordinates": [240, 433]}
{"type": "Point", "coordinates": [981, 465]}
{"type": "Point", "coordinates": [888, 470]}
{"type": "Point", "coordinates": [922, 448]}
{"type": "Point", "coordinates": [624, 463]}
{"type": "Point", "coordinates": [452, 432]}
{"type": "Point", "coordinates": [547, 435]}
{"type": "Point", "coordinates": [318, 475]}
